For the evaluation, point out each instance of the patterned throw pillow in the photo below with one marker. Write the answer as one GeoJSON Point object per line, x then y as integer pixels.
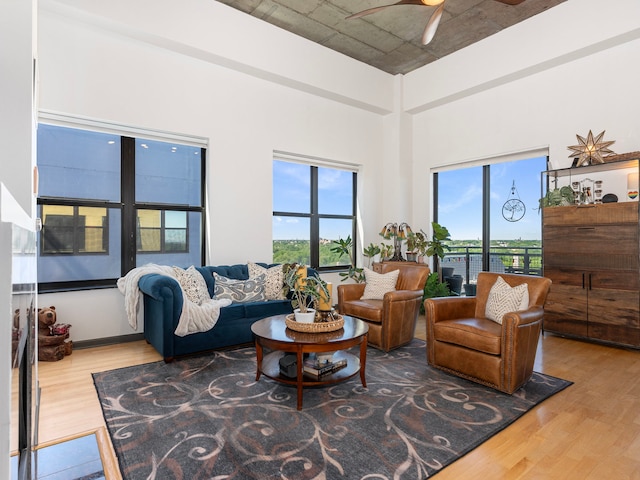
{"type": "Point", "coordinates": [193, 284]}
{"type": "Point", "coordinates": [274, 279]}
{"type": "Point", "coordinates": [239, 291]}
{"type": "Point", "coordinates": [377, 284]}
{"type": "Point", "coordinates": [503, 298]}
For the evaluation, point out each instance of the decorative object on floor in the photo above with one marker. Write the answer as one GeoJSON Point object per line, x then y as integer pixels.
{"type": "Point", "coordinates": [434, 19]}
{"type": "Point", "coordinates": [591, 150]}
{"type": "Point", "coordinates": [53, 337]}
{"type": "Point", "coordinates": [207, 417]}
{"type": "Point", "coordinates": [398, 233]}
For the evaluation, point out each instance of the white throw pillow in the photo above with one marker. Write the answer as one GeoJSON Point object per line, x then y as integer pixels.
{"type": "Point", "coordinates": [503, 298]}
{"type": "Point", "coordinates": [274, 279]}
{"type": "Point", "coordinates": [239, 291]}
{"type": "Point", "coordinates": [377, 284]}
{"type": "Point", "coordinates": [193, 284]}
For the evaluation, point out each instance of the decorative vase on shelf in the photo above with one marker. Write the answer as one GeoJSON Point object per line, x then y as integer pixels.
{"type": "Point", "coordinates": [305, 317]}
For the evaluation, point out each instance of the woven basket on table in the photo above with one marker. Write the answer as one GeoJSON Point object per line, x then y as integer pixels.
{"type": "Point", "coordinates": [316, 327]}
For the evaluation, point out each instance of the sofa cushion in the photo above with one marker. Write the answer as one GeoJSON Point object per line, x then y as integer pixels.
{"type": "Point", "coordinates": [239, 291]}
{"type": "Point", "coordinates": [503, 298]}
{"type": "Point", "coordinates": [193, 284]}
{"type": "Point", "coordinates": [274, 279]}
{"type": "Point", "coordinates": [371, 310]}
{"type": "Point", "coordinates": [377, 284]}
{"type": "Point", "coordinates": [474, 333]}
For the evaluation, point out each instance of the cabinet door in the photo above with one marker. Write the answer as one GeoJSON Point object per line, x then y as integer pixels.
{"type": "Point", "coordinates": [566, 308]}
{"type": "Point", "coordinates": [613, 316]}
{"type": "Point", "coordinates": [603, 305]}
{"type": "Point", "coordinates": [613, 307]}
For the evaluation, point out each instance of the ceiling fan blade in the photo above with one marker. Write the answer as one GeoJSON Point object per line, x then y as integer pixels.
{"type": "Point", "coordinates": [432, 25]}
{"type": "Point", "coordinates": [511, 2]}
{"type": "Point", "coordinates": [369, 11]}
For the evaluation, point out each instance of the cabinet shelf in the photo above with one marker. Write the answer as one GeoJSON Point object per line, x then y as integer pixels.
{"type": "Point", "coordinates": [591, 253]}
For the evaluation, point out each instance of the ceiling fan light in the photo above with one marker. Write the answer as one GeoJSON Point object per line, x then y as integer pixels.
{"type": "Point", "coordinates": [432, 3]}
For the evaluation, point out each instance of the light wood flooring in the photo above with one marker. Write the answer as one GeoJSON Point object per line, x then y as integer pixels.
{"type": "Point", "coordinates": [591, 430]}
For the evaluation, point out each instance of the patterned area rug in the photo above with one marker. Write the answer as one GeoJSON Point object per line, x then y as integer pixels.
{"type": "Point", "coordinates": [207, 418]}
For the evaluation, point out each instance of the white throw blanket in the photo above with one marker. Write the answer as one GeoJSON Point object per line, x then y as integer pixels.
{"type": "Point", "coordinates": [194, 318]}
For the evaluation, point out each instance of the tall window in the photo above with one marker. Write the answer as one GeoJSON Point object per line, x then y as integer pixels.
{"type": "Point", "coordinates": [492, 214]}
{"type": "Point", "coordinates": [312, 207]}
{"type": "Point", "coordinates": [109, 203]}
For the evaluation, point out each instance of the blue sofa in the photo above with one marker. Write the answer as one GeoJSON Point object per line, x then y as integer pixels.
{"type": "Point", "coordinates": [162, 298]}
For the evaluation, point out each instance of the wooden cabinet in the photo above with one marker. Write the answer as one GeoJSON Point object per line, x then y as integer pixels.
{"type": "Point", "coordinates": [591, 254]}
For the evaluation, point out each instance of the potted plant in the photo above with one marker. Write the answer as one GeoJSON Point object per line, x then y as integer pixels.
{"type": "Point", "coordinates": [345, 247]}
{"type": "Point", "coordinates": [422, 245]}
{"type": "Point", "coordinates": [436, 246]}
{"type": "Point", "coordinates": [412, 252]}
{"type": "Point", "coordinates": [386, 251]}
{"type": "Point", "coordinates": [434, 288]}
{"type": "Point", "coordinates": [371, 251]}
{"type": "Point", "coordinates": [417, 246]}
{"type": "Point", "coordinates": [306, 292]}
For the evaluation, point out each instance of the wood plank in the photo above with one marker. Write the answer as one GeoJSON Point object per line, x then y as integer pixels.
{"type": "Point", "coordinates": [566, 309]}
{"type": "Point", "coordinates": [614, 307]}
{"type": "Point", "coordinates": [601, 214]}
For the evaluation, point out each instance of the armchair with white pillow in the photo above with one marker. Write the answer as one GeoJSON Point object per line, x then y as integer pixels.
{"type": "Point", "coordinates": [388, 301]}
{"type": "Point", "coordinates": [490, 338]}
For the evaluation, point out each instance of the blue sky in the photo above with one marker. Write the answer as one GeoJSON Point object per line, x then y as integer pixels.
{"type": "Point", "coordinates": [291, 193]}
{"type": "Point", "coordinates": [460, 201]}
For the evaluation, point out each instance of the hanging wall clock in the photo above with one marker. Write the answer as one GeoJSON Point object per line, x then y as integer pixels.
{"type": "Point", "coordinates": [513, 209]}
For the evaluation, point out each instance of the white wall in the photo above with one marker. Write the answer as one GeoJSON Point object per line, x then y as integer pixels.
{"type": "Point", "coordinates": [202, 68]}
{"type": "Point", "coordinates": [134, 68]}
{"type": "Point", "coordinates": [535, 85]}
{"type": "Point", "coordinates": [17, 50]}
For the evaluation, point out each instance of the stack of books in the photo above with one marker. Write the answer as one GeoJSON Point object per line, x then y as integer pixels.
{"type": "Point", "coordinates": [319, 369]}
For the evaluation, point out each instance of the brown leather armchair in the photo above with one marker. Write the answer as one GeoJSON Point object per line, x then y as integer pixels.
{"type": "Point", "coordinates": [462, 341]}
{"type": "Point", "coordinates": [392, 321]}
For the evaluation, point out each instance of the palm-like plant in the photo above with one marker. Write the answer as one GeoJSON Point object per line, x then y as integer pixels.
{"type": "Point", "coordinates": [371, 251]}
{"type": "Point", "coordinates": [306, 291]}
{"type": "Point", "coordinates": [435, 246]}
{"type": "Point", "coordinates": [345, 247]}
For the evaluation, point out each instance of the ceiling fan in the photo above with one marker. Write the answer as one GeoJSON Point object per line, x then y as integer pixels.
{"type": "Point", "coordinates": [434, 21]}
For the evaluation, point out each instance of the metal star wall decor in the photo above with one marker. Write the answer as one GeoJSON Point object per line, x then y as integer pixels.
{"type": "Point", "coordinates": [590, 150]}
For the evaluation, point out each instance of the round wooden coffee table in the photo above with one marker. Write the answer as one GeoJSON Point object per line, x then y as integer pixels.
{"type": "Point", "coordinates": [272, 333]}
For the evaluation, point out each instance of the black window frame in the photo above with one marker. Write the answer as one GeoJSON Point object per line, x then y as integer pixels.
{"type": "Point", "coordinates": [486, 213]}
{"type": "Point", "coordinates": [314, 218]}
{"type": "Point", "coordinates": [128, 207]}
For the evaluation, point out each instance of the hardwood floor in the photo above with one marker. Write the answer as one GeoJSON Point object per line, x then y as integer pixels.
{"type": "Point", "coordinates": [589, 431]}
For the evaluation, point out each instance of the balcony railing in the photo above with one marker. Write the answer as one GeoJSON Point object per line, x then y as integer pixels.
{"type": "Point", "coordinates": [467, 261]}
